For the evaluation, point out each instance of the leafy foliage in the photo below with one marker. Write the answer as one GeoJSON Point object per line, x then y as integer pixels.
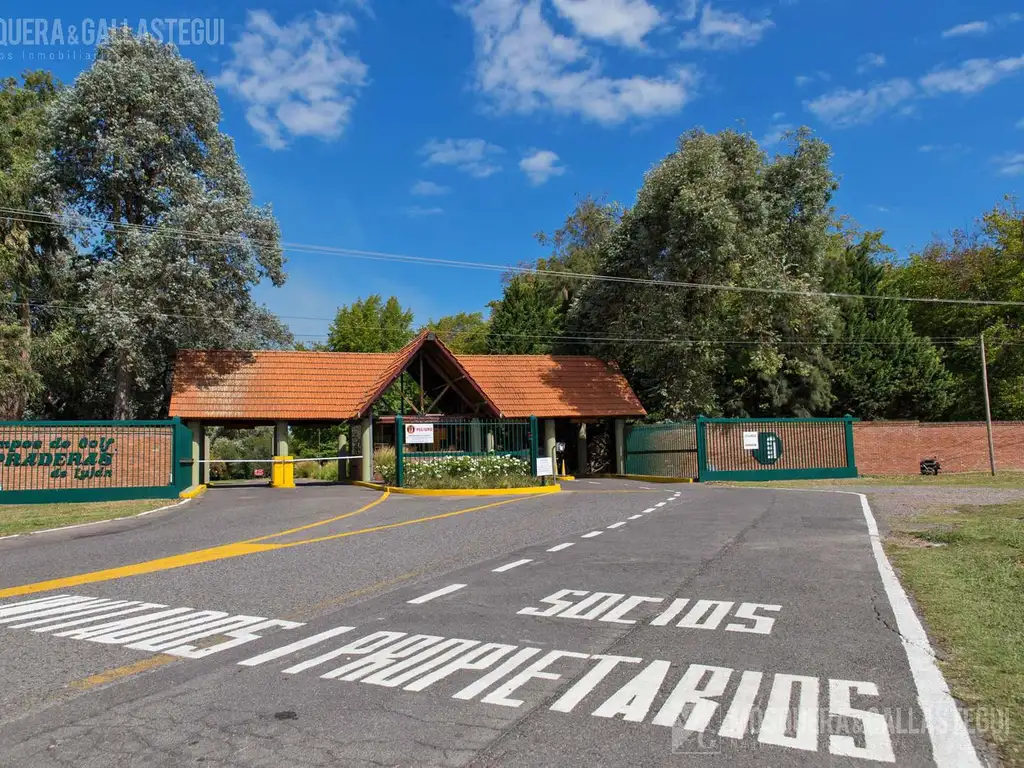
{"type": "Point", "coordinates": [464, 333]}
{"type": "Point", "coordinates": [370, 325]}
{"type": "Point", "coordinates": [881, 368]}
{"type": "Point", "coordinates": [136, 143]}
{"type": "Point", "coordinates": [718, 211]}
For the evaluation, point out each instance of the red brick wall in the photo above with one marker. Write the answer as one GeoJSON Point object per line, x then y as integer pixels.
{"type": "Point", "coordinates": [85, 457]}
{"type": "Point", "coordinates": [897, 447]}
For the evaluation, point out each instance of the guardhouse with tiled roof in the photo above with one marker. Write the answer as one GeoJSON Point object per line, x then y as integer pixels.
{"type": "Point", "coordinates": [245, 389]}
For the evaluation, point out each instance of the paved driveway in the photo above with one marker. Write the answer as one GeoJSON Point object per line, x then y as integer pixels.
{"type": "Point", "coordinates": [613, 624]}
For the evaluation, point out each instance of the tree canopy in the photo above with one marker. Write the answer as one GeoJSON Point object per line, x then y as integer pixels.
{"type": "Point", "coordinates": [370, 325]}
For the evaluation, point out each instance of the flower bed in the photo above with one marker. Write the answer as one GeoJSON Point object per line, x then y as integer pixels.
{"type": "Point", "coordinates": [461, 471]}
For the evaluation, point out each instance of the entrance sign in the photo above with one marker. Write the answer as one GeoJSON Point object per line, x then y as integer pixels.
{"type": "Point", "coordinates": [750, 441]}
{"type": "Point", "coordinates": [544, 467]}
{"type": "Point", "coordinates": [422, 434]}
{"type": "Point", "coordinates": [769, 448]}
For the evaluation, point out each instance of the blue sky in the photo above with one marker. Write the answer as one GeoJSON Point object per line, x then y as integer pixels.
{"type": "Point", "coordinates": [459, 129]}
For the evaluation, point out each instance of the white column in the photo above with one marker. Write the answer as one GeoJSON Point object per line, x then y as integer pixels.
{"type": "Point", "coordinates": [366, 443]}
{"type": "Point", "coordinates": [196, 428]}
{"type": "Point", "coordinates": [281, 438]}
{"type": "Point", "coordinates": [581, 449]}
{"type": "Point", "coordinates": [549, 443]}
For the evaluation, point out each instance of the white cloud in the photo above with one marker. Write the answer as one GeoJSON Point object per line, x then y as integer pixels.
{"type": "Point", "coordinates": [625, 22]}
{"type": "Point", "coordinates": [776, 133]}
{"type": "Point", "coordinates": [870, 61]}
{"type": "Point", "coordinates": [1020, 123]}
{"type": "Point", "coordinates": [296, 79]}
{"type": "Point", "coordinates": [803, 80]}
{"type": "Point", "coordinates": [473, 156]}
{"type": "Point", "coordinates": [539, 165]}
{"type": "Point", "coordinates": [878, 208]}
{"type": "Point", "coordinates": [971, 76]}
{"type": "Point", "coordinates": [843, 108]}
{"type": "Point", "coordinates": [970, 28]}
{"type": "Point", "coordinates": [721, 30]}
{"type": "Point", "coordinates": [418, 211]}
{"type": "Point", "coordinates": [522, 65]}
{"type": "Point", "coordinates": [1011, 164]}
{"type": "Point", "coordinates": [429, 189]}
{"type": "Point", "coordinates": [688, 10]}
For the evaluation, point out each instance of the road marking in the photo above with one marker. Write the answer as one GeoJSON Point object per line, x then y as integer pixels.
{"type": "Point", "coordinates": [117, 673]}
{"type": "Point", "coordinates": [298, 645]}
{"type": "Point", "coordinates": [560, 547]}
{"type": "Point", "coordinates": [617, 525]}
{"type": "Point", "coordinates": [362, 509]}
{"type": "Point", "coordinates": [592, 534]}
{"type": "Point", "coordinates": [649, 509]}
{"type": "Point", "coordinates": [593, 482]}
{"type": "Point", "coordinates": [14, 536]}
{"type": "Point", "coordinates": [446, 590]}
{"type": "Point", "coordinates": [510, 566]}
{"type": "Point", "coordinates": [226, 551]}
{"type": "Point", "coordinates": [660, 504]}
{"type": "Point", "coordinates": [951, 742]}
{"type": "Point", "coordinates": [634, 517]}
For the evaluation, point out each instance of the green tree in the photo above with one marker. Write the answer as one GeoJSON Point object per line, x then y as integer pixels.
{"type": "Point", "coordinates": [137, 145]}
{"type": "Point", "coordinates": [985, 263]}
{"type": "Point", "coordinates": [464, 333]}
{"type": "Point", "coordinates": [881, 368]}
{"type": "Point", "coordinates": [718, 211]}
{"type": "Point", "coordinates": [530, 317]}
{"type": "Point", "coordinates": [370, 325]}
{"type": "Point", "coordinates": [32, 250]}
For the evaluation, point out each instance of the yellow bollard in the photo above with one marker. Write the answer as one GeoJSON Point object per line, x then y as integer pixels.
{"type": "Point", "coordinates": [282, 473]}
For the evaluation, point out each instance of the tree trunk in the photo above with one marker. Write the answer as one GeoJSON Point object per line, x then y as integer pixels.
{"type": "Point", "coordinates": [124, 407]}
{"type": "Point", "coordinates": [25, 355]}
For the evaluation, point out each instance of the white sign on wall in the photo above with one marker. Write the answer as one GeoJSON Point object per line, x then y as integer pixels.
{"type": "Point", "coordinates": [750, 441]}
{"type": "Point", "coordinates": [419, 434]}
{"type": "Point", "coordinates": [544, 467]}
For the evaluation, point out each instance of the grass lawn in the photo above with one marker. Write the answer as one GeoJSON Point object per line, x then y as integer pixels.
{"type": "Point", "coordinates": [964, 479]}
{"type": "Point", "coordinates": [22, 518]}
{"type": "Point", "coordinates": [969, 593]}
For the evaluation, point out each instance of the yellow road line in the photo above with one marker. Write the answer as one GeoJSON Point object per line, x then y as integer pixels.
{"type": "Point", "coordinates": [362, 509]}
{"type": "Point", "coordinates": [224, 552]}
{"type": "Point", "coordinates": [118, 673]}
{"type": "Point", "coordinates": [399, 525]}
{"type": "Point", "coordinates": [308, 611]}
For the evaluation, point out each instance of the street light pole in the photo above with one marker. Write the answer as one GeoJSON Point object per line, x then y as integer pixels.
{"type": "Point", "coordinates": [988, 408]}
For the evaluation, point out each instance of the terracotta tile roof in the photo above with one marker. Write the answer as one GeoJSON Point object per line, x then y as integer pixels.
{"type": "Point", "coordinates": [553, 385]}
{"type": "Point", "coordinates": [338, 386]}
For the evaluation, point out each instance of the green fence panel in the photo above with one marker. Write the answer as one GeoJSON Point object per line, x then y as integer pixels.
{"type": "Point", "coordinates": [775, 449]}
{"type": "Point", "coordinates": [73, 461]}
{"type": "Point", "coordinates": [665, 450]}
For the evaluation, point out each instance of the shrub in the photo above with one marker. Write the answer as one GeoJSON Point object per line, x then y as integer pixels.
{"type": "Point", "coordinates": [384, 462]}
{"type": "Point", "coordinates": [461, 471]}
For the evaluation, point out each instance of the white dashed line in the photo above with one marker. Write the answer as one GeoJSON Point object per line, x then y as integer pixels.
{"type": "Point", "coordinates": [437, 593]}
{"type": "Point", "coordinates": [649, 509]}
{"type": "Point", "coordinates": [660, 504]}
{"type": "Point", "coordinates": [593, 482]}
{"type": "Point", "coordinates": [592, 534]}
{"type": "Point", "coordinates": [634, 517]}
{"type": "Point", "coordinates": [510, 566]}
{"type": "Point", "coordinates": [560, 547]}
{"type": "Point", "coordinates": [617, 525]}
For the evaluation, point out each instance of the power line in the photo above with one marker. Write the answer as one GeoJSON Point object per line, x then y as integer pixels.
{"type": "Point", "coordinates": [55, 219]}
{"type": "Point", "coordinates": [563, 338]}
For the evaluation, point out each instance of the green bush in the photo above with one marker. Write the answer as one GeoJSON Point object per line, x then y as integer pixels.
{"type": "Point", "coordinates": [384, 462]}
{"type": "Point", "coordinates": [460, 471]}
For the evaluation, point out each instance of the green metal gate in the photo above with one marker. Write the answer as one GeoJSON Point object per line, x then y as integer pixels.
{"type": "Point", "coordinates": [495, 450]}
{"type": "Point", "coordinates": [775, 449]}
{"type": "Point", "coordinates": [72, 461]}
{"type": "Point", "coordinates": [663, 450]}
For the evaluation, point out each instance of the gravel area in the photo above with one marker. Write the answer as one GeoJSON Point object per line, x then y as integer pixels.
{"type": "Point", "coordinates": [895, 502]}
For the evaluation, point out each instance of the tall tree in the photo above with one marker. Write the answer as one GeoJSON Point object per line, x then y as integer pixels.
{"type": "Point", "coordinates": [32, 250]}
{"type": "Point", "coordinates": [530, 316]}
{"type": "Point", "coordinates": [985, 263]}
{"type": "Point", "coordinates": [464, 333]}
{"type": "Point", "coordinates": [370, 325]}
{"type": "Point", "coordinates": [179, 242]}
{"type": "Point", "coordinates": [881, 368]}
{"type": "Point", "coordinates": [718, 211]}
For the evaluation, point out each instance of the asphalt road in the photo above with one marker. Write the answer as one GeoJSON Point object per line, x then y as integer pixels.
{"type": "Point", "coordinates": [613, 624]}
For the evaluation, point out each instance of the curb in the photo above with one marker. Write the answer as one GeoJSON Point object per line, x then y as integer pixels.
{"type": "Point", "coordinates": [645, 478]}
{"type": "Point", "coordinates": [193, 492]}
{"type": "Point", "coordinates": [533, 490]}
